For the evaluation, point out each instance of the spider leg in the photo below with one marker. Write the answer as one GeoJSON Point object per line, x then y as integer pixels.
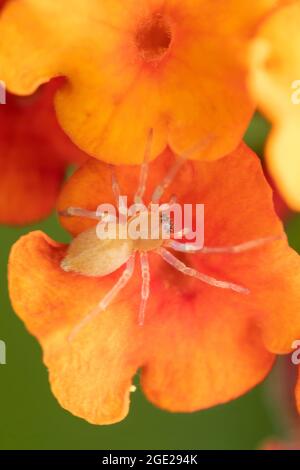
{"type": "Point", "coordinates": [160, 189]}
{"type": "Point", "coordinates": [180, 234]}
{"type": "Point", "coordinates": [167, 207]}
{"type": "Point", "coordinates": [246, 246]}
{"type": "Point", "coordinates": [145, 286]}
{"type": "Point", "coordinates": [180, 160]}
{"type": "Point", "coordinates": [242, 247]}
{"type": "Point", "coordinates": [115, 184]}
{"type": "Point", "coordinates": [173, 200]}
{"type": "Point", "coordinates": [138, 198]}
{"type": "Point", "coordinates": [117, 192]}
{"type": "Point", "coordinates": [109, 297]}
{"type": "Point", "coordinates": [79, 212]}
{"type": "Point", "coordinates": [180, 266]}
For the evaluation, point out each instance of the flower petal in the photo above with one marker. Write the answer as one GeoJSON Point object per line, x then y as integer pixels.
{"type": "Point", "coordinates": [28, 192]}
{"type": "Point", "coordinates": [192, 85]}
{"type": "Point", "coordinates": [90, 376]}
{"type": "Point", "coordinates": [196, 337]}
{"type": "Point", "coordinates": [34, 154]}
{"type": "Point", "coordinates": [273, 80]}
{"type": "Point", "coordinates": [281, 445]}
{"type": "Point", "coordinates": [213, 355]}
{"type": "Point", "coordinates": [298, 391]}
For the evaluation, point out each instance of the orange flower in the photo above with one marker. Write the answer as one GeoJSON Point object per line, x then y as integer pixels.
{"type": "Point", "coordinates": [34, 154]}
{"type": "Point", "coordinates": [298, 391]}
{"type": "Point", "coordinates": [199, 345]}
{"type": "Point", "coordinates": [169, 65]}
{"type": "Point", "coordinates": [275, 83]}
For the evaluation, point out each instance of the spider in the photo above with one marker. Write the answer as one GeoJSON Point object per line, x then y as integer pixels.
{"type": "Point", "coordinates": [106, 256]}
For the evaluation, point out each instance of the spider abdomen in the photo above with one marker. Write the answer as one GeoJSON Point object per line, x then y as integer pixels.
{"type": "Point", "coordinates": [90, 256]}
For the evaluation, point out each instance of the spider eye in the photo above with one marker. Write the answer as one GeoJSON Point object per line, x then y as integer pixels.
{"type": "Point", "coordinates": [166, 223]}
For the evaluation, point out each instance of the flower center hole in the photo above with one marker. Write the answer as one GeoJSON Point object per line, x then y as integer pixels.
{"type": "Point", "coordinates": [153, 38]}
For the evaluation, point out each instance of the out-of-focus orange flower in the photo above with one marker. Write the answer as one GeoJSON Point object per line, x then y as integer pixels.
{"type": "Point", "coordinates": [275, 83]}
{"type": "Point", "coordinates": [281, 445]}
{"type": "Point", "coordinates": [170, 65]}
{"type": "Point", "coordinates": [298, 391]}
{"type": "Point", "coordinates": [200, 345]}
{"type": "Point", "coordinates": [34, 154]}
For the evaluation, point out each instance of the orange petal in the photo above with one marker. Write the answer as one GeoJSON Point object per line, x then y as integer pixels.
{"type": "Point", "coordinates": [91, 376]}
{"type": "Point", "coordinates": [205, 349]}
{"type": "Point", "coordinates": [281, 445]}
{"type": "Point", "coordinates": [273, 80]}
{"type": "Point", "coordinates": [173, 66]}
{"type": "Point", "coordinates": [200, 345]}
{"type": "Point", "coordinates": [298, 391]}
{"type": "Point", "coordinates": [34, 153]}
{"type": "Point", "coordinates": [28, 192]}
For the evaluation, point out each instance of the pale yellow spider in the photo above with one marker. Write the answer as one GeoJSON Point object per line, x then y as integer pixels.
{"type": "Point", "coordinates": [90, 256]}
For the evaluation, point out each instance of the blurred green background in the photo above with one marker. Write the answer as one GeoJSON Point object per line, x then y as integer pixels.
{"type": "Point", "coordinates": [30, 417]}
